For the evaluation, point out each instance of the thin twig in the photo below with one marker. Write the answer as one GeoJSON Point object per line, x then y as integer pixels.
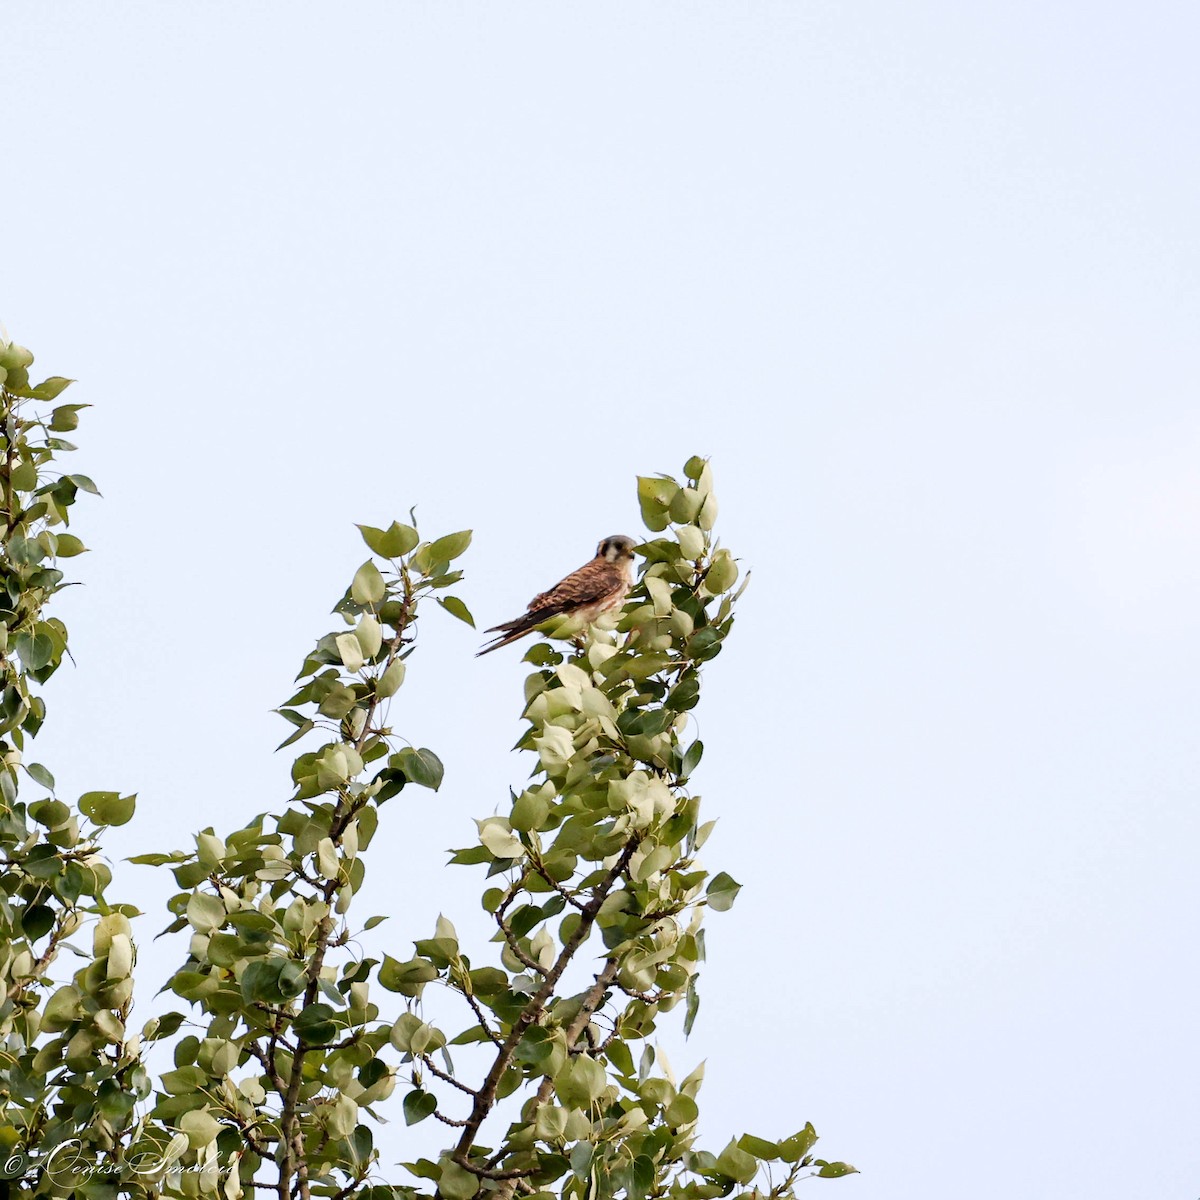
{"type": "Point", "coordinates": [515, 946]}
{"type": "Point", "coordinates": [446, 1077]}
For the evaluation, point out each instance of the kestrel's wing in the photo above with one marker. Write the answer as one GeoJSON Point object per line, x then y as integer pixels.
{"type": "Point", "coordinates": [594, 583]}
{"type": "Point", "coordinates": [594, 586]}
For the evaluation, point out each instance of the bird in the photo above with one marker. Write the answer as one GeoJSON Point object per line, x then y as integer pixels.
{"type": "Point", "coordinates": [598, 587]}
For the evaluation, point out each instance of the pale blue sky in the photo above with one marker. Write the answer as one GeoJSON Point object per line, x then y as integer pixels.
{"type": "Point", "coordinates": [921, 278]}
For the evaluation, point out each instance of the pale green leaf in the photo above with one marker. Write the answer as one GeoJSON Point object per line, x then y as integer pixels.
{"type": "Point", "coordinates": [368, 586]}
{"type": "Point", "coordinates": [456, 608]}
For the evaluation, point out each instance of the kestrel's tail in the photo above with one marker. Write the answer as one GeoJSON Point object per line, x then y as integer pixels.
{"type": "Point", "coordinates": [511, 631]}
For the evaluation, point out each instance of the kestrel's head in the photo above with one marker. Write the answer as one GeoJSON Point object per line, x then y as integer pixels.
{"type": "Point", "coordinates": [616, 548]}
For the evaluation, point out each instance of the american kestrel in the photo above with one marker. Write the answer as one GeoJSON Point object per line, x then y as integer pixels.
{"type": "Point", "coordinates": [599, 586]}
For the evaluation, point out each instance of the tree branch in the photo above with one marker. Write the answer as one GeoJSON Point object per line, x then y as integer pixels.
{"type": "Point", "coordinates": [446, 1077]}
{"type": "Point", "coordinates": [515, 946]}
{"type": "Point", "coordinates": [486, 1099]}
{"type": "Point", "coordinates": [294, 1161]}
{"type": "Point", "coordinates": [477, 1009]}
{"type": "Point", "coordinates": [591, 1001]}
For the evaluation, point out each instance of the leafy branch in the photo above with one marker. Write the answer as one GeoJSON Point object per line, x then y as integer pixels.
{"type": "Point", "coordinates": [282, 1068]}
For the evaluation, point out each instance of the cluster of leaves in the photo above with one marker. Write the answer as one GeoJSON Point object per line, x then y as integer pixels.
{"type": "Point", "coordinates": [272, 987]}
{"type": "Point", "coordinates": [69, 1073]}
{"type": "Point", "coordinates": [596, 862]}
{"type": "Point", "coordinates": [594, 889]}
{"type": "Point", "coordinates": [292, 1054]}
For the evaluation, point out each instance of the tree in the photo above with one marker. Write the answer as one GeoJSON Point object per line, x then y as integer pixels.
{"type": "Point", "coordinates": [288, 1044]}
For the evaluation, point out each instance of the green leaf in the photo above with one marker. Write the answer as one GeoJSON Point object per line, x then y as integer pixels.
{"type": "Point", "coordinates": [691, 542]}
{"type": "Point", "coordinates": [835, 1170]}
{"type": "Point", "coordinates": [83, 483]}
{"type": "Point", "coordinates": [685, 506]}
{"type": "Point", "coordinates": [469, 1037]}
{"type": "Point", "coordinates": [420, 766]}
{"type": "Point", "coordinates": [69, 546]}
{"type": "Point", "coordinates": [393, 542]}
{"type": "Point", "coordinates": [654, 498]}
{"type": "Point", "coordinates": [368, 586]}
{"type": "Point", "coordinates": [338, 702]}
{"type": "Point", "coordinates": [200, 1126]}
{"type": "Point", "coordinates": [107, 808]}
{"type": "Point", "coordinates": [704, 643]}
{"type": "Point", "coordinates": [759, 1147]}
{"type": "Point", "coordinates": [580, 1081]}
{"type": "Point", "coordinates": [581, 1160]}
{"type": "Point", "coordinates": [620, 1057]}
{"type": "Point", "coordinates": [456, 608]}
{"type": "Point", "coordinates": [529, 811]}
{"type": "Point", "coordinates": [418, 1105]}
{"type": "Point", "coordinates": [36, 921]}
{"type": "Point", "coordinates": [407, 978]}
{"type": "Point", "coordinates": [422, 1169]}
{"type": "Point", "coordinates": [39, 774]}
{"type": "Point", "coordinates": [489, 981]}
{"type": "Point", "coordinates": [51, 813]}
{"type": "Point", "coordinates": [388, 684]}
{"type": "Point", "coordinates": [691, 760]}
{"type": "Point", "coordinates": [61, 1009]}
{"type": "Point", "coordinates": [48, 389]}
{"type": "Point", "coordinates": [165, 1026]}
{"type": "Point", "coordinates": [260, 980]}
{"type": "Point", "coordinates": [205, 912]}
{"type": "Point", "coordinates": [722, 891]}
{"type": "Point", "coordinates": [642, 1176]}
{"type": "Point", "coordinates": [152, 860]}
{"type": "Point", "coordinates": [297, 734]}
{"type": "Point", "coordinates": [36, 650]}
{"type": "Point", "coordinates": [448, 547]}
{"type": "Point", "coordinates": [315, 1024]}
{"type": "Point", "coordinates": [47, 867]}
{"type": "Point", "coordinates": [736, 1163]}
{"type": "Point", "coordinates": [272, 979]}
{"type": "Point", "coordinates": [405, 1028]}
{"type": "Point", "coordinates": [369, 635]}
{"type": "Point", "coordinates": [66, 417]}
{"type": "Point", "coordinates": [682, 1110]}
{"type": "Point", "coordinates": [497, 839]}
{"type": "Point", "coordinates": [793, 1149]}
{"type": "Point", "coordinates": [457, 1183]}
{"type": "Point", "coordinates": [112, 1103]}
{"type": "Point", "coordinates": [550, 1123]}
{"type": "Point", "coordinates": [541, 655]}
{"type": "Point", "coordinates": [14, 358]}
{"type": "Point", "coordinates": [722, 574]}
{"type": "Point", "coordinates": [24, 477]}
{"type": "Point", "coordinates": [181, 1081]}
{"type": "Point", "coordinates": [351, 652]}
{"type": "Point", "coordinates": [693, 1007]}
